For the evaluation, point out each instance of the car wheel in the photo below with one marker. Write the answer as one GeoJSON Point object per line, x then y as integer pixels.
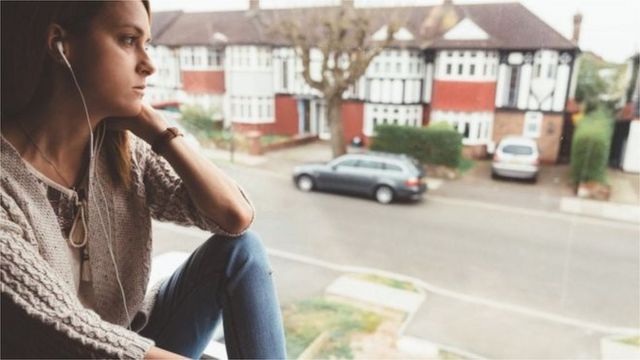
{"type": "Point", "coordinates": [305, 183]}
{"type": "Point", "coordinates": [384, 194]}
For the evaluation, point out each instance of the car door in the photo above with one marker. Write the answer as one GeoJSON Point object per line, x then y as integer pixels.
{"type": "Point", "coordinates": [338, 174]}
{"type": "Point", "coordinates": [367, 175]}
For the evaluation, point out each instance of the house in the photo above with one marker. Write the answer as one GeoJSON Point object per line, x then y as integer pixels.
{"type": "Point", "coordinates": [489, 70]}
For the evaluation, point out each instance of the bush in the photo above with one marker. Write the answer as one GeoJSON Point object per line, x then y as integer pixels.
{"type": "Point", "coordinates": [197, 119]}
{"type": "Point", "coordinates": [590, 147]}
{"type": "Point", "coordinates": [438, 144]}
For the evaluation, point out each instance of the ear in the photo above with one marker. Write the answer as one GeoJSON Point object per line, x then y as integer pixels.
{"type": "Point", "coordinates": [55, 34]}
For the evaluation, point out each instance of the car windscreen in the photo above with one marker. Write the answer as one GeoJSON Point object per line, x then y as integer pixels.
{"type": "Point", "coordinates": [517, 150]}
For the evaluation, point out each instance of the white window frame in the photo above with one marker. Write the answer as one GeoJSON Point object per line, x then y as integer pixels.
{"type": "Point", "coordinates": [532, 118]}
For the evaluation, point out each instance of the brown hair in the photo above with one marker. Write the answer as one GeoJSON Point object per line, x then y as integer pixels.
{"type": "Point", "coordinates": [27, 67]}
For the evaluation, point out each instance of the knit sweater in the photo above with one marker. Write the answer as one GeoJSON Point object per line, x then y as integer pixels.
{"type": "Point", "coordinates": [36, 269]}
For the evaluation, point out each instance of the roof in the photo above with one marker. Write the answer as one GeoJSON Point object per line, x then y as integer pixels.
{"type": "Point", "coordinates": [507, 25]}
{"type": "Point", "coordinates": [161, 21]}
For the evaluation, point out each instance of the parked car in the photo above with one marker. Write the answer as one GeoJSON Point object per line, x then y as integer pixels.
{"type": "Point", "coordinates": [383, 176]}
{"type": "Point", "coordinates": [516, 157]}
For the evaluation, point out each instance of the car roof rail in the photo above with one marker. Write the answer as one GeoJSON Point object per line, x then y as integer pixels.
{"type": "Point", "coordinates": [391, 155]}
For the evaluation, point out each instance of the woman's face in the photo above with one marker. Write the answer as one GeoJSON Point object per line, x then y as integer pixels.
{"type": "Point", "coordinates": [113, 60]}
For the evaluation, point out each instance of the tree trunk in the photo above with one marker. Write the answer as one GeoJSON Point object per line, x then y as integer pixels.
{"type": "Point", "coordinates": [334, 118]}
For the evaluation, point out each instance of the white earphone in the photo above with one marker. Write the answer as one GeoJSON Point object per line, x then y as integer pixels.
{"type": "Point", "coordinates": [92, 171]}
{"type": "Point", "coordinates": [61, 51]}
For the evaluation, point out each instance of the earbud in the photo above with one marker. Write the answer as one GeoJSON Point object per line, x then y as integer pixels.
{"type": "Point", "coordinates": [61, 51]}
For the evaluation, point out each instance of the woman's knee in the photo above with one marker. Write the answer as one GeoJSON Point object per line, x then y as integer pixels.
{"type": "Point", "coordinates": [247, 248]}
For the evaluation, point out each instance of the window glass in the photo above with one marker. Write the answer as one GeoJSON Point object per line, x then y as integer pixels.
{"type": "Point", "coordinates": [517, 150]}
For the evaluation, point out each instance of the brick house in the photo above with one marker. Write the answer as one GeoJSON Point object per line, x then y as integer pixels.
{"type": "Point", "coordinates": [489, 70]}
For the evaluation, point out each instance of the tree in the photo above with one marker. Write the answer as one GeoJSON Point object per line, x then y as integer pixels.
{"type": "Point", "coordinates": [600, 83]}
{"type": "Point", "coordinates": [342, 37]}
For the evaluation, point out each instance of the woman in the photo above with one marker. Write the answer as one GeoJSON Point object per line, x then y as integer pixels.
{"type": "Point", "coordinates": [85, 166]}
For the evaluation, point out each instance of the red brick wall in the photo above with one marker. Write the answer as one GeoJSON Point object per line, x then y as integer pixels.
{"type": "Point", "coordinates": [463, 96]}
{"type": "Point", "coordinates": [211, 82]}
{"type": "Point", "coordinates": [286, 122]}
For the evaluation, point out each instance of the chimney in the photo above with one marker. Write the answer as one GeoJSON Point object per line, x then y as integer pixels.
{"type": "Point", "coordinates": [577, 21]}
{"type": "Point", "coordinates": [254, 4]}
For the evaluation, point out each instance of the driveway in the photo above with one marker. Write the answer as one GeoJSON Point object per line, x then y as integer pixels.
{"type": "Point", "coordinates": [477, 184]}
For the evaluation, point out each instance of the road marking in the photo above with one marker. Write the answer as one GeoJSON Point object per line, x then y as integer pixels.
{"type": "Point", "coordinates": [517, 309]}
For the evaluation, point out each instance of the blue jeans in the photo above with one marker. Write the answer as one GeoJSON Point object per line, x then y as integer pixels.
{"type": "Point", "coordinates": [224, 275]}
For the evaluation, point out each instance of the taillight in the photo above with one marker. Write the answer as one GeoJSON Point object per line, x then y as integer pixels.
{"type": "Point", "coordinates": [414, 181]}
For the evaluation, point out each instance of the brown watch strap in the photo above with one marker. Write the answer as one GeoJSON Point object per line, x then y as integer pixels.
{"type": "Point", "coordinates": [163, 139]}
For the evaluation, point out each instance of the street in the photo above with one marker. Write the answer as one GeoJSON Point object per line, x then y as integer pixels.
{"type": "Point", "coordinates": [581, 273]}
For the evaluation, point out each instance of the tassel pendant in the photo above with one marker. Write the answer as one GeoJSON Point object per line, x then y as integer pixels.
{"type": "Point", "coordinates": [85, 269]}
{"type": "Point", "coordinates": [78, 234]}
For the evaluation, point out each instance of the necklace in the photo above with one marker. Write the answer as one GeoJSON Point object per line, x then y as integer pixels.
{"type": "Point", "coordinates": [67, 183]}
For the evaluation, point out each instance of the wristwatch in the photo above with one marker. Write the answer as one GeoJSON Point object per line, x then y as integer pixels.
{"type": "Point", "coordinates": [163, 139]}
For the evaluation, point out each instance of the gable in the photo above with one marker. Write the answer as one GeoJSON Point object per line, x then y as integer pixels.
{"type": "Point", "coordinates": [466, 30]}
{"type": "Point", "coordinates": [401, 35]}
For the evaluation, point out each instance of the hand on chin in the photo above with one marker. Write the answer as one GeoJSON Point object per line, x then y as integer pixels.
{"type": "Point", "coordinates": [146, 124]}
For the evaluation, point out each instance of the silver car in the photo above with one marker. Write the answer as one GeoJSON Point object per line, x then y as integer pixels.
{"type": "Point", "coordinates": [385, 177]}
{"type": "Point", "coordinates": [516, 157]}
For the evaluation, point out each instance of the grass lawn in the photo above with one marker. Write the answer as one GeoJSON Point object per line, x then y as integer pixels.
{"type": "Point", "coordinates": [402, 285]}
{"type": "Point", "coordinates": [306, 320]}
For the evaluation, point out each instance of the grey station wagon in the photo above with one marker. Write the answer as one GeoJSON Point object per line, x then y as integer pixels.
{"type": "Point", "coordinates": [385, 177]}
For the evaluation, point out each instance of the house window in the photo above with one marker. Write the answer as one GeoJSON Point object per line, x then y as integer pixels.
{"type": "Point", "coordinates": [532, 124]}
{"type": "Point", "coordinates": [448, 69]}
{"type": "Point", "coordinates": [285, 75]}
{"type": "Point", "coordinates": [398, 67]}
{"type": "Point", "coordinates": [514, 82]}
{"type": "Point", "coordinates": [472, 69]}
{"type": "Point", "coordinates": [459, 69]}
{"type": "Point", "coordinates": [538, 70]}
{"type": "Point", "coordinates": [550, 71]}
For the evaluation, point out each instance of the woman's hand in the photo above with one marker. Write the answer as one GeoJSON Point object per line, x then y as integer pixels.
{"type": "Point", "coordinates": [146, 125]}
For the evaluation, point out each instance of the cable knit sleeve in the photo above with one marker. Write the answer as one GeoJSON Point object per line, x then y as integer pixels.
{"type": "Point", "coordinates": [35, 300]}
{"type": "Point", "coordinates": [167, 195]}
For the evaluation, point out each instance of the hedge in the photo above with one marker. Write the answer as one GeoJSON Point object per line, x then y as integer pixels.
{"type": "Point", "coordinates": [590, 148]}
{"type": "Point", "coordinates": [437, 144]}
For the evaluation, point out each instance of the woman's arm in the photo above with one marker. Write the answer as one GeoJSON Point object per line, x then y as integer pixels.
{"type": "Point", "coordinates": [212, 191]}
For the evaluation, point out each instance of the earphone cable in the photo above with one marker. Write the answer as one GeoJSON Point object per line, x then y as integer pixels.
{"type": "Point", "coordinates": [92, 169]}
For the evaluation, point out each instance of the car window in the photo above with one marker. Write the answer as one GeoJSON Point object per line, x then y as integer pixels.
{"type": "Point", "coordinates": [370, 164]}
{"type": "Point", "coordinates": [392, 167]}
{"type": "Point", "coordinates": [347, 163]}
{"type": "Point", "coordinates": [517, 150]}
